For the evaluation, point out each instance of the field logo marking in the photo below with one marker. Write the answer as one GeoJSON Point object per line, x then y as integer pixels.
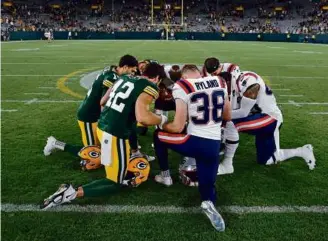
{"type": "Point", "coordinates": [63, 88]}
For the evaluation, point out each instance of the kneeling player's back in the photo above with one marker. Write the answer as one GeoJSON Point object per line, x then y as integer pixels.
{"type": "Point", "coordinates": [118, 116]}
{"type": "Point", "coordinates": [205, 99]}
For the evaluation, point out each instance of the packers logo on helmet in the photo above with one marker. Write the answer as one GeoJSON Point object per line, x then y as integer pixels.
{"type": "Point", "coordinates": [91, 158]}
{"type": "Point", "coordinates": [138, 171]}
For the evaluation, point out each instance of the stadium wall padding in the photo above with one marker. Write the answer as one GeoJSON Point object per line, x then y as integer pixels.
{"type": "Point", "coordinates": [322, 38]}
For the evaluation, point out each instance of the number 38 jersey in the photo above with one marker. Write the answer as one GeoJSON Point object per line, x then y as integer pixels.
{"type": "Point", "coordinates": [265, 102]}
{"type": "Point", "coordinates": [118, 116]}
{"type": "Point", "coordinates": [205, 99]}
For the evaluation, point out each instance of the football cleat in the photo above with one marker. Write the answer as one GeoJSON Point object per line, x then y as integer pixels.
{"type": "Point", "coordinates": [213, 215]}
{"type": "Point", "coordinates": [50, 146]}
{"type": "Point", "coordinates": [225, 169]}
{"type": "Point", "coordinates": [65, 194]}
{"type": "Point", "coordinates": [307, 154]}
{"type": "Point", "coordinates": [167, 181]}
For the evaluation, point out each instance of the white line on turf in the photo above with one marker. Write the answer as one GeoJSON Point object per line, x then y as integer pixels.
{"type": "Point", "coordinates": [36, 93]}
{"type": "Point", "coordinates": [31, 101]}
{"type": "Point", "coordinates": [294, 103]}
{"type": "Point", "coordinates": [8, 207]}
{"type": "Point", "coordinates": [33, 75]}
{"type": "Point", "coordinates": [319, 113]}
{"type": "Point", "coordinates": [41, 101]}
{"type": "Point", "coordinates": [290, 95]}
{"type": "Point", "coordinates": [47, 87]}
{"type": "Point", "coordinates": [13, 110]}
{"type": "Point", "coordinates": [79, 101]}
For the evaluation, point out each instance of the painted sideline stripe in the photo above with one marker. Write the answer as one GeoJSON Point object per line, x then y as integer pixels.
{"type": "Point", "coordinates": [8, 207]}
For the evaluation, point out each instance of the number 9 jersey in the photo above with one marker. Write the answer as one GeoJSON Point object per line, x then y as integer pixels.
{"type": "Point", "coordinates": [205, 98]}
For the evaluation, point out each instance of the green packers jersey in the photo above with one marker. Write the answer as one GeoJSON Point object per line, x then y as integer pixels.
{"type": "Point", "coordinates": [89, 110]}
{"type": "Point", "coordinates": [118, 117]}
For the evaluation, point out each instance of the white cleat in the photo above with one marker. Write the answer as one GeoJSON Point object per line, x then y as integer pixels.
{"type": "Point", "coordinates": [225, 169]}
{"type": "Point", "coordinates": [213, 215]}
{"type": "Point", "coordinates": [50, 146]}
{"type": "Point", "coordinates": [167, 181]}
{"type": "Point", "coordinates": [65, 194]}
{"type": "Point", "coordinates": [150, 158]}
{"type": "Point", "coordinates": [307, 154]}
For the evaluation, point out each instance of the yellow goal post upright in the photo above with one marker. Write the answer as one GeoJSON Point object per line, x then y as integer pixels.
{"type": "Point", "coordinates": [167, 24]}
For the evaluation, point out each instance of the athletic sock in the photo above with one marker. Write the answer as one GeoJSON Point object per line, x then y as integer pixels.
{"type": "Point", "coordinates": [285, 154]}
{"type": "Point", "coordinates": [165, 173]}
{"type": "Point", "coordinates": [74, 150]}
{"type": "Point", "coordinates": [101, 187]}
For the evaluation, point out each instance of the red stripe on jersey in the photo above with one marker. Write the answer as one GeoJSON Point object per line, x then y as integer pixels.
{"type": "Point", "coordinates": [183, 87]}
{"type": "Point", "coordinates": [190, 85]}
{"type": "Point", "coordinates": [231, 67]}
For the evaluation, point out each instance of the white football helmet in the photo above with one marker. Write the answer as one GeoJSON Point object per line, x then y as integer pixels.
{"type": "Point", "coordinates": [188, 172]}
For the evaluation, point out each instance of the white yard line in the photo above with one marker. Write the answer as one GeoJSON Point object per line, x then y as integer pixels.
{"type": "Point", "coordinates": [281, 89]}
{"type": "Point", "coordinates": [47, 87]}
{"type": "Point", "coordinates": [291, 95]}
{"type": "Point", "coordinates": [35, 100]}
{"type": "Point", "coordinates": [303, 103]}
{"type": "Point", "coordinates": [31, 101]}
{"type": "Point", "coordinates": [296, 77]}
{"type": "Point", "coordinates": [8, 207]}
{"type": "Point", "coordinates": [33, 75]}
{"type": "Point", "coordinates": [36, 93]}
{"type": "Point", "coordinates": [13, 110]}
{"type": "Point", "coordinates": [294, 103]}
{"type": "Point", "coordinates": [318, 113]}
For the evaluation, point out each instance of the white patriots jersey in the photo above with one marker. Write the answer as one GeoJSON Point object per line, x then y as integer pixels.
{"type": "Point", "coordinates": [229, 67]}
{"type": "Point", "coordinates": [205, 100]}
{"type": "Point", "coordinates": [167, 69]}
{"type": "Point", "coordinates": [265, 100]}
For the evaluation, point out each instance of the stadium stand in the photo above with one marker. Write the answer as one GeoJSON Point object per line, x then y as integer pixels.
{"type": "Point", "coordinates": [256, 16]}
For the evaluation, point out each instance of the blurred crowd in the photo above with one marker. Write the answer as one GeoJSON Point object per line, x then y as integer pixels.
{"type": "Point", "coordinates": [259, 16]}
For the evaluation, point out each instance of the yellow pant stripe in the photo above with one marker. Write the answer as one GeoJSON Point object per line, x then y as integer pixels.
{"type": "Point", "coordinates": [120, 150]}
{"type": "Point", "coordinates": [89, 133]}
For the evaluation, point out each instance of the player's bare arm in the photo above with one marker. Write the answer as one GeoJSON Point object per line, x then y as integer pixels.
{"type": "Point", "coordinates": [252, 91]}
{"type": "Point", "coordinates": [180, 118]}
{"type": "Point", "coordinates": [143, 113]}
{"type": "Point", "coordinates": [105, 98]}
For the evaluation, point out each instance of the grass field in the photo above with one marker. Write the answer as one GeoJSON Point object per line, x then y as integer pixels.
{"type": "Point", "coordinates": [40, 96]}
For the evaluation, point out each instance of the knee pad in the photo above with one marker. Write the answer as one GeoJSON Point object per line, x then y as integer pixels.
{"type": "Point", "coordinates": [231, 133]}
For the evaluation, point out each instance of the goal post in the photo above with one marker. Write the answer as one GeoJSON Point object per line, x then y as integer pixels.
{"type": "Point", "coordinates": [167, 21]}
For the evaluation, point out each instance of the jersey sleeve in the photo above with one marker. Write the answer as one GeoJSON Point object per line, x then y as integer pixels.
{"type": "Point", "coordinates": [152, 90]}
{"type": "Point", "coordinates": [179, 93]}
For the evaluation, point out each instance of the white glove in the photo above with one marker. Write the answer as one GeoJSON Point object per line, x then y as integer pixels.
{"type": "Point", "coordinates": [164, 120]}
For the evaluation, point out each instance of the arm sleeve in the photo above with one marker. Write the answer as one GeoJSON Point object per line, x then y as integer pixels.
{"type": "Point", "coordinates": [246, 105]}
{"type": "Point", "coordinates": [179, 93]}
